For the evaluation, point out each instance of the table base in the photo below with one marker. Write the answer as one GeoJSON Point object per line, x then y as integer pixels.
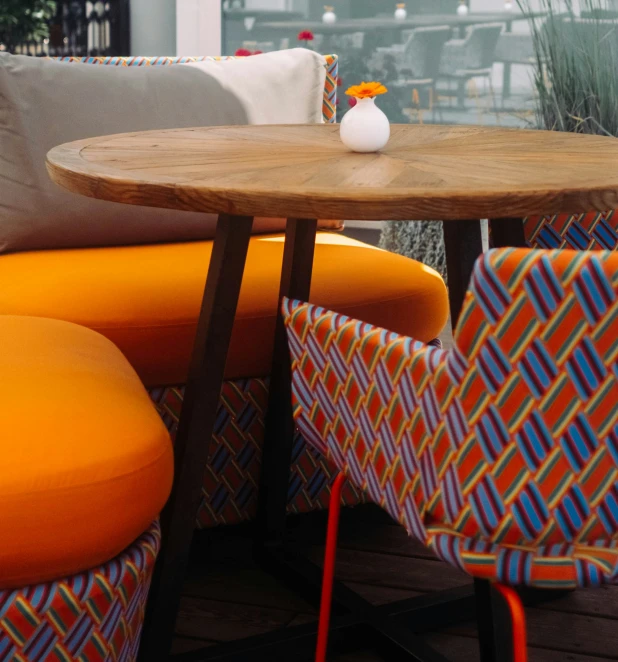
{"type": "Point", "coordinates": [391, 629]}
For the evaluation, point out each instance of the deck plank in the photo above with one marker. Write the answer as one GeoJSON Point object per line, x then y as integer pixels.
{"type": "Point", "coordinates": [219, 621]}
{"type": "Point", "coordinates": [227, 596]}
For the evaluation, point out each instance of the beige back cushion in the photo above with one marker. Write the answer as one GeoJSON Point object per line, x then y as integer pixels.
{"type": "Point", "coordinates": [45, 103]}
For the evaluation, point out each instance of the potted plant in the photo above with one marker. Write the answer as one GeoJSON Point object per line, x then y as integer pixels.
{"type": "Point", "coordinates": [23, 21]}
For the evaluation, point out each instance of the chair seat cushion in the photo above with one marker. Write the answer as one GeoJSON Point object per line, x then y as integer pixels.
{"type": "Point", "coordinates": [86, 461]}
{"type": "Point", "coordinates": [146, 299]}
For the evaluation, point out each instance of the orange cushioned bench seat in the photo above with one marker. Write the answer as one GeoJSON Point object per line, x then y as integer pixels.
{"type": "Point", "coordinates": [86, 462]}
{"type": "Point", "coordinates": [146, 299]}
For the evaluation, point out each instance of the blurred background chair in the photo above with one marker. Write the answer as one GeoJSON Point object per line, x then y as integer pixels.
{"type": "Point", "coordinates": [351, 41]}
{"type": "Point", "coordinates": [513, 49]}
{"type": "Point", "coordinates": [417, 61]}
{"type": "Point", "coordinates": [472, 57]}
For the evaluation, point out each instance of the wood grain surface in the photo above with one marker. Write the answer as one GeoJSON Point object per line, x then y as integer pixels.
{"type": "Point", "coordinates": [425, 172]}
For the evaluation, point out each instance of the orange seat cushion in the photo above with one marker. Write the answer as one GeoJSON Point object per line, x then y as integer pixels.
{"type": "Point", "coordinates": [146, 299]}
{"type": "Point", "coordinates": [86, 461]}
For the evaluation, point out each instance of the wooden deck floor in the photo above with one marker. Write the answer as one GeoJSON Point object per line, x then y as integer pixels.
{"type": "Point", "coordinates": [227, 597]}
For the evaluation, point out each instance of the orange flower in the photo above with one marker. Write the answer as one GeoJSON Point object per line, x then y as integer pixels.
{"type": "Point", "coordinates": [366, 90]}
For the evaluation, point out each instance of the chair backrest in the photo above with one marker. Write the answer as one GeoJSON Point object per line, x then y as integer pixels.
{"type": "Point", "coordinates": [351, 41]}
{"type": "Point", "coordinates": [424, 48]}
{"type": "Point", "coordinates": [480, 47]}
{"type": "Point", "coordinates": [329, 106]}
{"type": "Point", "coordinates": [510, 438]}
{"type": "Point", "coordinates": [515, 48]}
{"type": "Point", "coordinates": [592, 231]}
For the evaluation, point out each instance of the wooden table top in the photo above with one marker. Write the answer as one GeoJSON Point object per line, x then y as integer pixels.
{"type": "Point", "coordinates": [304, 171]}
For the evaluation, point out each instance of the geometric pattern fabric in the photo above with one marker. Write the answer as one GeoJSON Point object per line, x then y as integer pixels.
{"type": "Point", "coordinates": [95, 616]}
{"type": "Point", "coordinates": [501, 455]}
{"type": "Point", "coordinates": [329, 106]}
{"type": "Point", "coordinates": [232, 473]}
{"type": "Point", "coordinates": [591, 231]}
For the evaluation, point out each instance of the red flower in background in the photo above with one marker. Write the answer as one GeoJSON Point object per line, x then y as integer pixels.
{"type": "Point", "coordinates": [243, 52]}
{"type": "Point", "coordinates": [352, 102]}
{"type": "Point", "coordinates": [305, 35]}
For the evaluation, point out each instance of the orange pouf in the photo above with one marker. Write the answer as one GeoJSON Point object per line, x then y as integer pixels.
{"type": "Point", "coordinates": [95, 616]}
{"type": "Point", "coordinates": [86, 461]}
{"type": "Point", "coordinates": [146, 299]}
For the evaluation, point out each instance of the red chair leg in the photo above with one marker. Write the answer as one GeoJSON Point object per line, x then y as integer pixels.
{"type": "Point", "coordinates": [518, 621]}
{"type": "Point", "coordinates": [328, 575]}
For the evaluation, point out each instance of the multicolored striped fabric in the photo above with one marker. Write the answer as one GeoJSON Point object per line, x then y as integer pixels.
{"type": "Point", "coordinates": [95, 616]}
{"type": "Point", "coordinates": [329, 108]}
{"type": "Point", "coordinates": [232, 474]}
{"type": "Point", "coordinates": [502, 454]}
{"type": "Point", "coordinates": [591, 231]}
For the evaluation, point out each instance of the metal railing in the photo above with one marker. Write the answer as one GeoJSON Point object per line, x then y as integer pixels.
{"type": "Point", "coordinates": [82, 28]}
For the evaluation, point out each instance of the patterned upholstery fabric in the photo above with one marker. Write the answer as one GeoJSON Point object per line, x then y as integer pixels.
{"type": "Point", "coordinates": [502, 454]}
{"type": "Point", "coordinates": [94, 616]}
{"type": "Point", "coordinates": [232, 474]}
{"type": "Point", "coordinates": [329, 108]}
{"type": "Point", "coordinates": [594, 230]}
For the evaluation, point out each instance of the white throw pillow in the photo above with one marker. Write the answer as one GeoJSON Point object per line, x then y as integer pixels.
{"type": "Point", "coordinates": [45, 103]}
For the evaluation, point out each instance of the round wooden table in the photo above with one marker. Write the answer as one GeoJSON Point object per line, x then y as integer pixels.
{"type": "Point", "coordinates": [303, 173]}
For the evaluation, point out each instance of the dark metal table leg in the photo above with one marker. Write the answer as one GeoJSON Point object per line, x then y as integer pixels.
{"type": "Point", "coordinates": [277, 450]}
{"type": "Point", "coordinates": [485, 620]}
{"type": "Point", "coordinates": [508, 232]}
{"type": "Point", "coordinates": [494, 624]}
{"type": "Point", "coordinates": [463, 244]}
{"type": "Point", "coordinates": [195, 430]}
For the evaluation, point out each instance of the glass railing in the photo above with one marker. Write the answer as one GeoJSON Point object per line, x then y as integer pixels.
{"type": "Point", "coordinates": [443, 61]}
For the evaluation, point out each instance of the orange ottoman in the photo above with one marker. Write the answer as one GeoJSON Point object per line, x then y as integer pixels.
{"type": "Point", "coordinates": [146, 300]}
{"type": "Point", "coordinates": [86, 468]}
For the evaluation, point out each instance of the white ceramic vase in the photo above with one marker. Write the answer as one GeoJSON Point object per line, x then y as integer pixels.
{"type": "Point", "coordinates": [329, 17]}
{"type": "Point", "coordinates": [508, 5]}
{"type": "Point", "coordinates": [401, 14]}
{"type": "Point", "coordinates": [462, 10]}
{"type": "Point", "coordinates": [365, 128]}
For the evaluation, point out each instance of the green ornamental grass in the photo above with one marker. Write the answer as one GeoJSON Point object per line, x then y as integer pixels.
{"type": "Point", "coordinates": [576, 68]}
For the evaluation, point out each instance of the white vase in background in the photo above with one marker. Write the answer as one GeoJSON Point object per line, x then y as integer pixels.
{"type": "Point", "coordinates": [400, 13]}
{"type": "Point", "coordinates": [508, 5]}
{"type": "Point", "coordinates": [365, 128]}
{"type": "Point", "coordinates": [329, 17]}
{"type": "Point", "coordinates": [462, 10]}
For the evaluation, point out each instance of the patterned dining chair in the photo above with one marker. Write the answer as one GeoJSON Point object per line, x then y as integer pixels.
{"type": "Point", "coordinates": [500, 455]}
{"type": "Point", "coordinates": [594, 230]}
